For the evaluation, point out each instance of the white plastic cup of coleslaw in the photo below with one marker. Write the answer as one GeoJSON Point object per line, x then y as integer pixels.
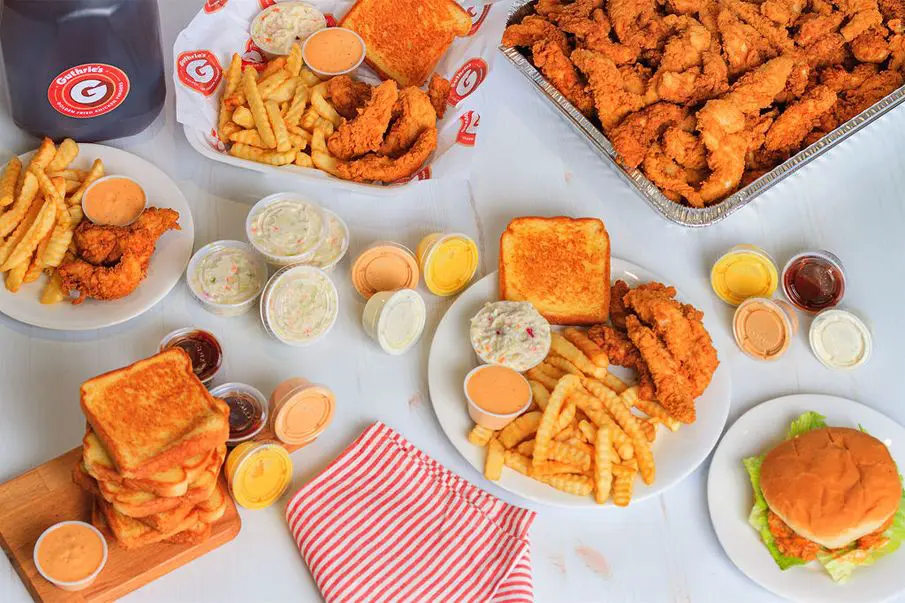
{"type": "Point", "coordinates": [334, 246]}
{"type": "Point", "coordinates": [276, 28]}
{"type": "Point", "coordinates": [395, 319]}
{"type": "Point", "coordinates": [286, 229]}
{"type": "Point", "coordinates": [226, 277]}
{"type": "Point", "coordinates": [299, 305]}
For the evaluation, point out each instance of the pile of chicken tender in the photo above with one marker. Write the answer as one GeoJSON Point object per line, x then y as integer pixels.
{"type": "Point", "coordinates": [706, 96]}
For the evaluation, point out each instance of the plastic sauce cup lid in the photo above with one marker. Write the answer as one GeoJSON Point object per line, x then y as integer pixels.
{"type": "Point", "coordinates": [303, 414]}
{"type": "Point", "coordinates": [743, 272]}
{"type": "Point", "coordinates": [384, 266]}
{"type": "Point", "coordinates": [763, 328]}
{"type": "Point", "coordinates": [449, 264]}
{"type": "Point", "coordinates": [260, 473]}
{"type": "Point", "coordinates": [401, 322]}
{"type": "Point", "coordinates": [839, 339]}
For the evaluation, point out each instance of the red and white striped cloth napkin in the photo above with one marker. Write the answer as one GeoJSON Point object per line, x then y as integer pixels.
{"type": "Point", "coordinates": [386, 523]}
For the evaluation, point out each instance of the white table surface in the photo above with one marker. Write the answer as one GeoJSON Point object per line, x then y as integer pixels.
{"type": "Point", "coordinates": [852, 202]}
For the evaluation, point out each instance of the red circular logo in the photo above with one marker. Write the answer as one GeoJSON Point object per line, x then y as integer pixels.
{"type": "Point", "coordinates": [468, 128]}
{"type": "Point", "coordinates": [476, 23]}
{"type": "Point", "coordinates": [253, 56]}
{"type": "Point", "coordinates": [467, 79]}
{"type": "Point", "coordinates": [88, 90]}
{"type": "Point", "coordinates": [199, 70]}
{"type": "Point", "coordinates": [212, 6]}
{"type": "Point", "coordinates": [266, 3]}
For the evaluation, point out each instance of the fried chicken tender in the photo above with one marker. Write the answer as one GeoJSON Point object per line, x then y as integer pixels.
{"type": "Point", "coordinates": [685, 148]}
{"type": "Point", "coordinates": [799, 118]}
{"type": "Point", "coordinates": [373, 167]}
{"type": "Point", "coordinates": [633, 137]}
{"type": "Point", "coordinates": [438, 91]}
{"type": "Point", "coordinates": [777, 36]}
{"type": "Point", "coordinates": [559, 70]}
{"type": "Point", "coordinates": [348, 95]}
{"type": "Point", "coordinates": [783, 12]}
{"type": "Point", "coordinates": [743, 46]}
{"type": "Point", "coordinates": [637, 23]}
{"type": "Point", "coordinates": [416, 114]}
{"type": "Point", "coordinates": [102, 282]}
{"type": "Point", "coordinates": [622, 352]}
{"type": "Point", "coordinates": [672, 388]}
{"type": "Point", "coordinates": [535, 29]}
{"type": "Point", "coordinates": [98, 244]}
{"type": "Point", "coordinates": [612, 100]}
{"type": "Point", "coordinates": [814, 26]}
{"type": "Point", "coordinates": [871, 46]}
{"type": "Point", "coordinates": [618, 311]}
{"type": "Point", "coordinates": [674, 180]}
{"type": "Point", "coordinates": [365, 132]}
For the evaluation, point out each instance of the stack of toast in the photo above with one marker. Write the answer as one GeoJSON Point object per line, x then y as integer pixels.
{"type": "Point", "coordinates": [152, 454]}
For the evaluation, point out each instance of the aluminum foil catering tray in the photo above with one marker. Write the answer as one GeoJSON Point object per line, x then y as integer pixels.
{"type": "Point", "coordinates": [680, 214]}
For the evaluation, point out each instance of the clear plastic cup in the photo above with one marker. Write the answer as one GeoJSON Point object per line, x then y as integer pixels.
{"type": "Point", "coordinates": [385, 266]}
{"type": "Point", "coordinates": [87, 194]}
{"type": "Point", "coordinates": [329, 254]}
{"type": "Point", "coordinates": [395, 319]}
{"type": "Point", "coordinates": [203, 348]}
{"type": "Point", "coordinates": [329, 74]}
{"type": "Point", "coordinates": [281, 315]}
{"type": "Point", "coordinates": [435, 253]}
{"type": "Point", "coordinates": [301, 411]}
{"type": "Point", "coordinates": [247, 410]}
{"type": "Point", "coordinates": [223, 308]}
{"type": "Point", "coordinates": [485, 418]}
{"type": "Point", "coordinates": [840, 339]}
{"type": "Point", "coordinates": [754, 338]}
{"type": "Point", "coordinates": [313, 241]}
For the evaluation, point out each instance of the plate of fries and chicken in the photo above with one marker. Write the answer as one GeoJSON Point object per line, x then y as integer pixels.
{"type": "Point", "coordinates": [54, 258]}
{"type": "Point", "coordinates": [596, 432]}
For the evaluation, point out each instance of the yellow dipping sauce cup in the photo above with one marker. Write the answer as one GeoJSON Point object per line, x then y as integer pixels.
{"type": "Point", "coordinates": [258, 473]}
{"type": "Point", "coordinates": [448, 262]}
{"type": "Point", "coordinates": [742, 272]}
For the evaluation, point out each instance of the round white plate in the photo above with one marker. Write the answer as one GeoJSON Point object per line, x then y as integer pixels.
{"type": "Point", "coordinates": [451, 357]}
{"type": "Point", "coordinates": [170, 259]}
{"type": "Point", "coordinates": [730, 499]}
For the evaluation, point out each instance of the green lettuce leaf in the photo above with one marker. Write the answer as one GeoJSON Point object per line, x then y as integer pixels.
{"type": "Point", "coordinates": [839, 564]}
{"type": "Point", "coordinates": [758, 516]}
{"type": "Point", "coordinates": [809, 421]}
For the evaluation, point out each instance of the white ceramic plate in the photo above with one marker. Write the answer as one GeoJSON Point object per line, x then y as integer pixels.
{"type": "Point", "coordinates": [730, 499]}
{"type": "Point", "coordinates": [451, 357]}
{"type": "Point", "coordinates": [167, 265]}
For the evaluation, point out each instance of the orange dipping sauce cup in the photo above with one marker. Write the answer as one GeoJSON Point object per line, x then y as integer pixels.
{"type": "Point", "coordinates": [491, 384]}
{"type": "Point", "coordinates": [300, 411]}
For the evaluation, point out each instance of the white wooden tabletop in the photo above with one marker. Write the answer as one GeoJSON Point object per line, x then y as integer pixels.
{"type": "Point", "coordinates": [851, 202]}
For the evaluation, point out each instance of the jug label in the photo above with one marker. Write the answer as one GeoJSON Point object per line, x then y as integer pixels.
{"type": "Point", "coordinates": [88, 90]}
{"type": "Point", "coordinates": [199, 70]}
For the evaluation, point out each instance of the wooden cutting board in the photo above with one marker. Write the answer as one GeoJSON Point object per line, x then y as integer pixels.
{"type": "Point", "coordinates": [34, 501]}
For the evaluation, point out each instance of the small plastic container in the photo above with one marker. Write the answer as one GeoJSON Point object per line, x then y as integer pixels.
{"type": "Point", "coordinates": [315, 21]}
{"type": "Point", "coordinates": [301, 411]}
{"type": "Point", "coordinates": [742, 272]}
{"type": "Point", "coordinates": [335, 245]}
{"type": "Point", "coordinates": [488, 419]}
{"type": "Point", "coordinates": [87, 195]}
{"type": "Point", "coordinates": [202, 347]}
{"type": "Point", "coordinates": [395, 319]}
{"type": "Point", "coordinates": [814, 280]}
{"type": "Point", "coordinates": [206, 265]}
{"type": "Point", "coordinates": [447, 261]}
{"type": "Point", "coordinates": [299, 305]}
{"type": "Point", "coordinates": [258, 473]}
{"type": "Point", "coordinates": [385, 266]}
{"type": "Point", "coordinates": [840, 340]}
{"type": "Point", "coordinates": [764, 328]}
{"type": "Point", "coordinates": [247, 410]}
{"type": "Point", "coordinates": [328, 74]}
{"type": "Point", "coordinates": [73, 585]}
{"type": "Point", "coordinates": [279, 212]}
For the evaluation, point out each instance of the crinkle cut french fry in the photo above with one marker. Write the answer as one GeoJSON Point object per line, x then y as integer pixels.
{"type": "Point", "coordinates": [547, 368]}
{"type": "Point", "coordinates": [526, 447]}
{"type": "Point", "coordinates": [283, 93]}
{"type": "Point", "coordinates": [479, 435]}
{"type": "Point", "coordinates": [66, 154]}
{"type": "Point", "coordinates": [36, 265]}
{"type": "Point", "coordinates": [563, 365]}
{"type": "Point", "coordinates": [593, 408]}
{"type": "Point", "coordinates": [603, 465]}
{"type": "Point", "coordinates": [553, 468]}
{"type": "Point", "coordinates": [613, 382]}
{"type": "Point", "coordinates": [268, 85]}
{"type": "Point", "coordinates": [521, 428]}
{"type": "Point", "coordinates": [566, 434]}
{"type": "Point", "coordinates": [294, 60]}
{"type": "Point", "coordinates": [652, 409]}
{"type": "Point", "coordinates": [256, 105]}
{"type": "Point", "coordinates": [37, 231]}
{"type": "Point", "coordinates": [97, 171]}
{"type": "Point", "coordinates": [53, 292]}
{"type": "Point", "coordinates": [579, 485]}
{"type": "Point", "coordinates": [564, 348]}
{"type": "Point", "coordinates": [233, 75]}
{"type": "Point", "coordinates": [303, 159]}
{"type": "Point", "coordinates": [308, 77]}
{"type": "Point", "coordinates": [15, 276]}
{"type": "Point", "coordinates": [493, 465]}
{"type": "Point", "coordinates": [540, 394]}
{"type": "Point", "coordinates": [244, 151]}
{"type": "Point", "coordinates": [242, 116]}
{"type": "Point", "coordinates": [558, 451]}
{"type": "Point", "coordinates": [323, 108]}
{"type": "Point", "coordinates": [297, 104]}
{"type": "Point", "coordinates": [563, 389]}
{"type": "Point", "coordinates": [324, 161]}
{"type": "Point", "coordinates": [54, 191]}
{"type": "Point", "coordinates": [535, 374]}
{"type": "Point", "coordinates": [629, 422]}
{"type": "Point", "coordinates": [623, 484]}
{"type": "Point", "coordinates": [8, 181]}
{"type": "Point", "coordinates": [519, 462]}
{"type": "Point", "coordinates": [590, 349]}
{"type": "Point", "coordinates": [68, 174]}
{"type": "Point", "coordinates": [279, 127]}
{"type": "Point", "coordinates": [43, 156]}
{"type": "Point", "coordinates": [13, 216]}
{"type": "Point", "coordinates": [272, 67]}
{"type": "Point", "coordinates": [565, 418]}
{"type": "Point", "coordinates": [6, 248]}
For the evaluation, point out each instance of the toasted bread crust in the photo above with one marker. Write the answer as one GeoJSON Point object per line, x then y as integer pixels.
{"type": "Point", "coordinates": [561, 265]}
{"type": "Point", "coordinates": [154, 414]}
{"type": "Point", "coordinates": [405, 39]}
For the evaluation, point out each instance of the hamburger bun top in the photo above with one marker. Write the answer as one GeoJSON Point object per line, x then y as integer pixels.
{"type": "Point", "coordinates": [832, 485]}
